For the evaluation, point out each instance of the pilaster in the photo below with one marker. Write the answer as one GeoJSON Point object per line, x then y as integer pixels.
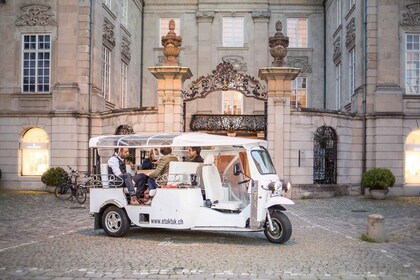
{"type": "Point", "coordinates": [170, 104]}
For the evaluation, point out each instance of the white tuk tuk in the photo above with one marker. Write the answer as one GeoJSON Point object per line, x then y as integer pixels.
{"type": "Point", "coordinates": [236, 188]}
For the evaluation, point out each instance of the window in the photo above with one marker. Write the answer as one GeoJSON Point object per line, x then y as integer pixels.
{"type": "Point", "coordinates": [338, 85]}
{"type": "Point", "coordinates": [36, 64]}
{"type": "Point", "coordinates": [124, 14]}
{"type": "Point", "coordinates": [124, 80]}
{"type": "Point", "coordinates": [412, 64]}
{"type": "Point", "coordinates": [232, 103]}
{"type": "Point", "coordinates": [298, 97]}
{"type": "Point", "coordinates": [338, 13]}
{"type": "Point", "coordinates": [164, 27]}
{"type": "Point", "coordinates": [297, 31]}
{"type": "Point", "coordinates": [106, 72]}
{"type": "Point", "coordinates": [352, 72]}
{"type": "Point", "coordinates": [34, 152]}
{"type": "Point", "coordinates": [233, 32]}
{"type": "Point", "coordinates": [412, 158]}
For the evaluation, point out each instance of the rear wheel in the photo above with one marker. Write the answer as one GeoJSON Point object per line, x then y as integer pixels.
{"type": "Point", "coordinates": [63, 191]}
{"type": "Point", "coordinates": [115, 221]}
{"type": "Point", "coordinates": [282, 228]}
{"type": "Point", "coordinates": [81, 194]}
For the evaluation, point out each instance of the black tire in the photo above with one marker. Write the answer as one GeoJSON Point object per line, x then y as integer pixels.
{"type": "Point", "coordinates": [282, 228]}
{"type": "Point", "coordinates": [115, 221]}
{"type": "Point", "coordinates": [81, 195]}
{"type": "Point", "coordinates": [63, 191]}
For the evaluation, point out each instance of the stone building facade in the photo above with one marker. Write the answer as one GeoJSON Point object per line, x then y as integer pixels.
{"type": "Point", "coordinates": [358, 83]}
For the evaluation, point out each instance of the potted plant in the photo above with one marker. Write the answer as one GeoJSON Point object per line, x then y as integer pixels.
{"type": "Point", "coordinates": [378, 181]}
{"type": "Point", "coordinates": [54, 177]}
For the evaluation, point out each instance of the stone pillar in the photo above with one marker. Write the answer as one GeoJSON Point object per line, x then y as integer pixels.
{"type": "Point", "coordinates": [170, 104]}
{"type": "Point", "coordinates": [376, 228]}
{"type": "Point", "coordinates": [278, 115]}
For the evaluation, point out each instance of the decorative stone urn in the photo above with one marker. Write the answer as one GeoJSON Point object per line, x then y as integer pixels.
{"type": "Point", "coordinates": [278, 46]}
{"type": "Point", "coordinates": [171, 46]}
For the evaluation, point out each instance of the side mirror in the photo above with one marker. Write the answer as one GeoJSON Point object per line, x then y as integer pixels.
{"type": "Point", "coordinates": [237, 169]}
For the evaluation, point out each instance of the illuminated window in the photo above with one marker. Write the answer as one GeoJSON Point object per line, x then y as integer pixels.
{"type": "Point", "coordinates": [412, 64]}
{"type": "Point", "coordinates": [164, 27]}
{"type": "Point", "coordinates": [298, 97]}
{"type": "Point", "coordinates": [297, 31]}
{"type": "Point", "coordinates": [34, 152]}
{"type": "Point", "coordinates": [233, 32]}
{"type": "Point", "coordinates": [36, 63]}
{"type": "Point", "coordinates": [232, 103]}
{"type": "Point", "coordinates": [412, 158]}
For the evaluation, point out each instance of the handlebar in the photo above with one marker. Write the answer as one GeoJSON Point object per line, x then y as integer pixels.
{"type": "Point", "coordinates": [243, 182]}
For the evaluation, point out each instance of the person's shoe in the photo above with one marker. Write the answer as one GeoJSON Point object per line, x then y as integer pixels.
{"type": "Point", "coordinates": [133, 201]}
{"type": "Point", "coordinates": [152, 192]}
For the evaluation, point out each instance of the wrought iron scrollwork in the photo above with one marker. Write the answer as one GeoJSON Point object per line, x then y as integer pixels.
{"type": "Point", "coordinates": [230, 123]}
{"type": "Point", "coordinates": [222, 79]}
{"type": "Point", "coordinates": [325, 156]}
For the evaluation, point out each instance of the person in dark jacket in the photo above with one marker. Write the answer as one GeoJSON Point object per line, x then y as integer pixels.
{"type": "Point", "coordinates": [194, 154]}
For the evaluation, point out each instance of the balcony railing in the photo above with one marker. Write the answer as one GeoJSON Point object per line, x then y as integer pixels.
{"type": "Point", "coordinates": [228, 123]}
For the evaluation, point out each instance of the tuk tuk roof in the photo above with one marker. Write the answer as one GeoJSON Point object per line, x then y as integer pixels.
{"type": "Point", "coordinates": [192, 139]}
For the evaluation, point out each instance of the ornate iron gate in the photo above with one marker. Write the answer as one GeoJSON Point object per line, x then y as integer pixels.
{"type": "Point", "coordinates": [325, 156]}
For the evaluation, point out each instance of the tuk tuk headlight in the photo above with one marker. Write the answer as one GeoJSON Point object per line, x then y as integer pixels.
{"type": "Point", "coordinates": [286, 185]}
{"type": "Point", "coordinates": [274, 187]}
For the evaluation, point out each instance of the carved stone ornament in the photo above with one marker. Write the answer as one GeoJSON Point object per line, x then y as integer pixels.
{"type": "Point", "coordinates": [171, 46]}
{"type": "Point", "coordinates": [301, 62]}
{"type": "Point", "coordinates": [125, 48]}
{"type": "Point", "coordinates": [222, 79]}
{"type": "Point", "coordinates": [351, 34]}
{"type": "Point", "coordinates": [412, 16]}
{"type": "Point", "coordinates": [124, 130]}
{"type": "Point", "coordinates": [237, 62]}
{"type": "Point", "coordinates": [108, 32]}
{"type": "Point", "coordinates": [337, 51]}
{"type": "Point", "coordinates": [33, 15]}
{"type": "Point", "coordinates": [261, 15]}
{"type": "Point", "coordinates": [205, 15]}
{"type": "Point", "coordinates": [278, 46]}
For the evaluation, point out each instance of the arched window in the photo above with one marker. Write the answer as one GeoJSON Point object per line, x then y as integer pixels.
{"type": "Point", "coordinates": [233, 103]}
{"type": "Point", "coordinates": [35, 154]}
{"type": "Point", "coordinates": [412, 158]}
{"type": "Point", "coordinates": [325, 156]}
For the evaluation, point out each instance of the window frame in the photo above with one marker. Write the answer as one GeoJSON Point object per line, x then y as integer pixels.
{"type": "Point", "coordinates": [124, 13]}
{"type": "Point", "coordinates": [237, 41]}
{"type": "Point", "coordinates": [124, 84]}
{"type": "Point", "coordinates": [352, 72]}
{"type": "Point", "coordinates": [339, 11]}
{"type": "Point", "coordinates": [232, 104]}
{"type": "Point", "coordinates": [338, 73]}
{"type": "Point", "coordinates": [296, 90]}
{"type": "Point", "coordinates": [288, 31]}
{"type": "Point", "coordinates": [37, 60]}
{"type": "Point", "coordinates": [106, 72]}
{"type": "Point", "coordinates": [406, 68]}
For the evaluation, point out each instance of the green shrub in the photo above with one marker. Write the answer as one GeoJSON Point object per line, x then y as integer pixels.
{"type": "Point", "coordinates": [54, 176]}
{"type": "Point", "coordinates": [378, 178]}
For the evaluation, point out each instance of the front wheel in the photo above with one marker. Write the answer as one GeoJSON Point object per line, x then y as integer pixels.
{"type": "Point", "coordinates": [282, 228]}
{"type": "Point", "coordinates": [115, 222]}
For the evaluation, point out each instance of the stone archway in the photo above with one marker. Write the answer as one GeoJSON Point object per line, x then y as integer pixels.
{"type": "Point", "coordinates": [412, 157]}
{"type": "Point", "coordinates": [225, 78]}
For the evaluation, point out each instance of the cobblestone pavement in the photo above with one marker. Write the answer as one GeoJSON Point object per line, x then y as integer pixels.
{"type": "Point", "coordinates": [44, 238]}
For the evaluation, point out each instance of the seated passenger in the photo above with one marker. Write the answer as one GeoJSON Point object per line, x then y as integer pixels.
{"type": "Point", "coordinates": [161, 169]}
{"type": "Point", "coordinates": [194, 154]}
{"type": "Point", "coordinates": [140, 180]}
{"type": "Point", "coordinates": [117, 166]}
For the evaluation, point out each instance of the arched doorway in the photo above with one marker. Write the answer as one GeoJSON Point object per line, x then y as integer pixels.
{"type": "Point", "coordinates": [412, 158]}
{"type": "Point", "coordinates": [34, 152]}
{"type": "Point", "coordinates": [234, 87]}
{"type": "Point", "coordinates": [325, 155]}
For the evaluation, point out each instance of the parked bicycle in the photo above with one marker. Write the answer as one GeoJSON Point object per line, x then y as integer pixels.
{"type": "Point", "coordinates": [72, 188]}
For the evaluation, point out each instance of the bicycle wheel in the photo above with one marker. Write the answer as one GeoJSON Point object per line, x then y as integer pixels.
{"type": "Point", "coordinates": [63, 191]}
{"type": "Point", "coordinates": [81, 194]}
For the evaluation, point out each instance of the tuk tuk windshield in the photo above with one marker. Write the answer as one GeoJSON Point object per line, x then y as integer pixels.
{"type": "Point", "coordinates": [263, 161]}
